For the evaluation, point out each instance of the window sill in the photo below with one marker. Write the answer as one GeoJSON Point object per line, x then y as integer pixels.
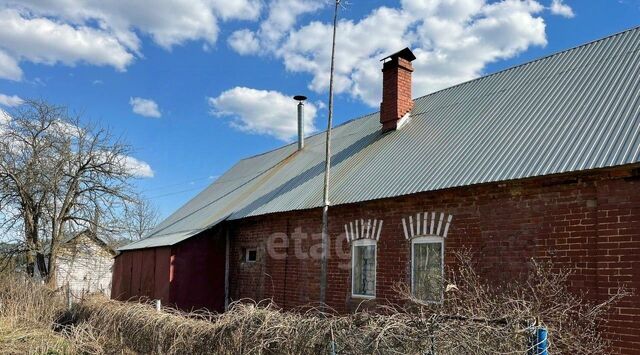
{"type": "Point", "coordinates": [365, 297]}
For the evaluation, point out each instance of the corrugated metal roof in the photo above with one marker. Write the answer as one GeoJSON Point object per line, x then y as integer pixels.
{"type": "Point", "coordinates": [575, 110]}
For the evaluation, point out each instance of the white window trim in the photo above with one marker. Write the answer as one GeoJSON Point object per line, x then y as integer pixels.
{"type": "Point", "coordinates": [425, 240]}
{"type": "Point", "coordinates": [363, 243]}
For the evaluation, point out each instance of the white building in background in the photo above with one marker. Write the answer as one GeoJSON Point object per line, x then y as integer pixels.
{"type": "Point", "coordinates": [85, 264]}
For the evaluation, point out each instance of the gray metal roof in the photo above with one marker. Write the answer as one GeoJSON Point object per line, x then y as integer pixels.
{"type": "Point", "coordinates": [575, 110]}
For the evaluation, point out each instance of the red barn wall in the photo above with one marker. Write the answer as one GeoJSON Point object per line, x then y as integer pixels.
{"type": "Point", "coordinates": [189, 275]}
{"type": "Point", "coordinates": [143, 273]}
{"type": "Point", "coordinates": [588, 222]}
{"type": "Point", "coordinates": [198, 272]}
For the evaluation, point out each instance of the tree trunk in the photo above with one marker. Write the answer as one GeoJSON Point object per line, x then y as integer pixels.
{"type": "Point", "coordinates": [51, 275]}
{"type": "Point", "coordinates": [53, 255]}
{"type": "Point", "coordinates": [31, 239]}
{"type": "Point", "coordinates": [31, 260]}
{"type": "Point", "coordinates": [56, 236]}
{"type": "Point", "coordinates": [42, 265]}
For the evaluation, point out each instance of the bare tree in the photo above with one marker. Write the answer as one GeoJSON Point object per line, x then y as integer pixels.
{"type": "Point", "coordinates": [57, 173]}
{"type": "Point", "coordinates": [141, 217]}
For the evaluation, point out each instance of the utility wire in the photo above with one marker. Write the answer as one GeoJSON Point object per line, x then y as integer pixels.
{"type": "Point", "coordinates": [199, 187]}
{"type": "Point", "coordinates": [187, 182]}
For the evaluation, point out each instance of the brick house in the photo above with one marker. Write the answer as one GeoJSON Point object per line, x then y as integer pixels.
{"type": "Point", "coordinates": [540, 160]}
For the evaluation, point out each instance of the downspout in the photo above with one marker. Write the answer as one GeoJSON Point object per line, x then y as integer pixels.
{"type": "Point", "coordinates": [226, 268]}
{"type": "Point", "coordinates": [286, 266]}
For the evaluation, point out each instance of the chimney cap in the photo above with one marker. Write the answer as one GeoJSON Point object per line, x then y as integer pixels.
{"type": "Point", "coordinates": [406, 54]}
{"type": "Point", "coordinates": [299, 97]}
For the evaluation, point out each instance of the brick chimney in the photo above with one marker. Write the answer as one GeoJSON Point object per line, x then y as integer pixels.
{"type": "Point", "coordinates": [396, 88]}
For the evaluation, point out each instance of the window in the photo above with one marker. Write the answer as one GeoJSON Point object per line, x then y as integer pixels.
{"type": "Point", "coordinates": [250, 255]}
{"type": "Point", "coordinates": [427, 268]}
{"type": "Point", "coordinates": [363, 268]}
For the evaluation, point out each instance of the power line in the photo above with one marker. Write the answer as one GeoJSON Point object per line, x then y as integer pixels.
{"type": "Point", "coordinates": [177, 192]}
{"type": "Point", "coordinates": [209, 177]}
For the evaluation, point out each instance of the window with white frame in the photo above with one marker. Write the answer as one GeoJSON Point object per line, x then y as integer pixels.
{"type": "Point", "coordinates": [363, 268]}
{"type": "Point", "coordinates": [427, 257]}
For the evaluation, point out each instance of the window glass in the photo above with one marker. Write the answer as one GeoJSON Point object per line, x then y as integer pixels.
{"type": "Point", "coordinates": [364, 269]}
{"type": "Point", "coordinates": [251, 255]}
{"type": "Point", "coordinates": [427, 270]}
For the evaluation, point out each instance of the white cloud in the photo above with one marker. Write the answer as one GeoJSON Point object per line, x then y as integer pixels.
{"type": "Point", "coordinates": [41, 40]}
{"type": "Point", "coordinates": [11, 101]}
{"type": "Point", "coordinates": [9, 68]}
{"type": "Point", "coordinates": [560, 8]}
{"type": "Point", "coordinates": [238, 9]}
{"type": "Point", "coordinates": [107, 33]}
{"type": "Point", "coordinates": [68, 129]}
{"type": "Point", "coordinates": [145, 107]}
{"type": "Point", "coordinates": [454, 41]}
{"type": "Point", "coordinates": [281, 18]}
{"type": "Point", "coordinates": [262, 112]}
{"type": "Point", "coordinates": [244, 42]}
{"type": "Point", "coordinates": [138, 168]}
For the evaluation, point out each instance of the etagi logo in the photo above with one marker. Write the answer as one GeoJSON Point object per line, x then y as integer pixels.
{"type": "Point", "coordinates": [308, 246]}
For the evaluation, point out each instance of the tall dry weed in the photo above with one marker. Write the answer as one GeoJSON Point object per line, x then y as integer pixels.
{"type": "Point", "coordinates": [476, 317]}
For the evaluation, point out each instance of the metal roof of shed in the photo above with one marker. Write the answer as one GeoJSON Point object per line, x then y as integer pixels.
{"type": "Point", "coordinates": [575, 110]}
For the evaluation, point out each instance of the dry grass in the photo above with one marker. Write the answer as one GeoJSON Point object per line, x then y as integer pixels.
{"type": "Point", "coordinates": [477, 317]}
{"type": "Point", "coordinates": [17, 337]}
{"type": "Point", "coordinates": [29, 314]}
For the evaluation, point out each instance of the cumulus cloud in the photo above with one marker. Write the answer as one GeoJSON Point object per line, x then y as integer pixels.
{"type": "Point", "coordinates": [262, 112]}
{"type": "Point", "coordinates": [138, 168]}
{"type": "Point", "coordinates": [237, 9]}
{"type": "Point", "coordinates": [107, 33]}
{"type": "Point", "coordinates": [454, 41]}
{"type": "Point", "coordinates": [244, 42]}
{"type": "Point", "coordinates": [11, 101]}
{"type": "Point", "coordinates": [41, 40]}
{"type": "Point", "coordinates": [145, 107]}
{"type": "Point", "coordinates": [9, 68]}
{"type": "Point", "coordinates": [560, 8]}
{"type": "Point", "coordinates": [282, 17]}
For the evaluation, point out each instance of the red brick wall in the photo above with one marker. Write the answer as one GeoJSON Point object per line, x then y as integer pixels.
{"type": "Point", "coordinates": [588, 222]}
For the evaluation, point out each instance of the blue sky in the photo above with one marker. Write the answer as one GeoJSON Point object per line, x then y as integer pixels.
{"type": "Point", "coordinates": [195, 86]}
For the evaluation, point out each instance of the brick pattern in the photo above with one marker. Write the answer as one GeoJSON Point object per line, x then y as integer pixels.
{"type": "Point", "coordinates": [396, 92]}
{"type": "Point", "coordinates": [588, 222]}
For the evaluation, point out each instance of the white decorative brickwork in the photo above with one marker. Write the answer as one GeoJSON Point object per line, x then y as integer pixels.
{"type": "Point", "coordinates": [426, 223]}
{"type": "Point", "coordinates": [363, 229]}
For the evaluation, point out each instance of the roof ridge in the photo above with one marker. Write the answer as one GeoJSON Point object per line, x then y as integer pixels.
{"type": "Point", "coordinates": [532, 61]}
